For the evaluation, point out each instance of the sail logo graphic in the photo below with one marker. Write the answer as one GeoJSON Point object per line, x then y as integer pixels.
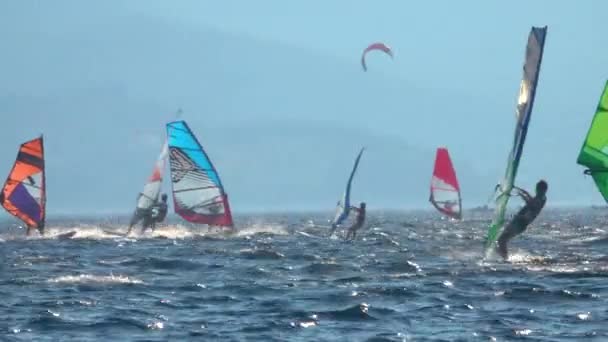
{"type": "Point", "coordinates": [181, 164]}
{"type": "Point", "coordinates": [522, 100]}
{"type": "Point", "coordinates": [32, 186]}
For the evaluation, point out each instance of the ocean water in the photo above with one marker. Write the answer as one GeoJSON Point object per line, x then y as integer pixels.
{"type": "Point", "coordinates": [411, 276]}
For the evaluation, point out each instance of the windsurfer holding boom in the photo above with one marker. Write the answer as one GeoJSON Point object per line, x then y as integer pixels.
{"type": "Point", "coordinates": [149, 216]}
{"type": "Point", "coordinates": [524, 217]}
{"type": "Point", "coordinates": [359, 221]}
{"type": "Point", "coordinates": [30, 230]}
{"type": "Point", "coordinates": [158, 212]}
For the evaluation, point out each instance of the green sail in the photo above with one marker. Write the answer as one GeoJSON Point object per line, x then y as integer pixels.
{"type": "Point", "coordinates": [594, 153]}
{"type": "Point", "coordinates": [527, 92]}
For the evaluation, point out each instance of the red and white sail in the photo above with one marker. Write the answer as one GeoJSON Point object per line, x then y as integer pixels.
{"type": "Point", "coordinates": [445, 191]}
{"type": "Point", "coordinates": [149, 196]}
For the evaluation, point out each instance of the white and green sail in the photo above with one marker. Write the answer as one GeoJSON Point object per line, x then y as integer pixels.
{"type": "Point", "coordinates": [525, 102]}
{"type": "Point", "coordinates": [594, 153]}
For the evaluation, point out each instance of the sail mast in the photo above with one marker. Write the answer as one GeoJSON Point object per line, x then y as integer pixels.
{"type": "Point", "coordinates": [43, 197]}
{"type": "Point", "coordinates": [343, 207]}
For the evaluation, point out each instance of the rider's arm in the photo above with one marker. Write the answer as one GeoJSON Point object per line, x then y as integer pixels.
{"type": "Point", "coordinates": [524, 194]}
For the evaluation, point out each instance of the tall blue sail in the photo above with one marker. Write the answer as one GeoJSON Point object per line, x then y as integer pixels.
{"type": "Point", "coordinates": [198, 193]}
{"type": "Point", "coordinates": [343, 208]}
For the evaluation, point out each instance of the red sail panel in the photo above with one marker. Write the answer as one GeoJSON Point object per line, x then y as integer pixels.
{"type": "Point", "coordinates": [214, 218]}
{"type": "Point", "coordinates": [23, 194]}
{"type": "Point", "coordinates": [445, 190]}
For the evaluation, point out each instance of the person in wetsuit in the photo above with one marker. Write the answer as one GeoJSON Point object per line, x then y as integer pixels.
{"type": "Point", "coordinates": [524, 217]}
{"type": "Point", "coordinates": [149, 216]}
{"type": "Point", "coordinates": [158, 212]}
{"type": "Point", "coordinates": [30, 230]}
{"type": "Point", "coordinates": [359, 221]}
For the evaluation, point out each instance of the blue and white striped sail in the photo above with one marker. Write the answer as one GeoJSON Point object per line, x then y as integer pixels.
{"type": "Point", "coordinates": [343, 208]}
{"type": "Point", "coordinates": [198, 193]}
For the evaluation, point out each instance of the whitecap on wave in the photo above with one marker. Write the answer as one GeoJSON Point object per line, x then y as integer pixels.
{"type": "Point", "coordinates": [525, 258]}
{"type": "Point", "coordinates": [258, 228]}
{"type": "Point", "coordinates": [91, 278]}
{"type": "Point", "coordinates": [101, 233]}
{"type": "Point", "coordinates": [172, 232]}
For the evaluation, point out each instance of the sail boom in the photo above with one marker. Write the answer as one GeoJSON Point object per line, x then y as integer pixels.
{"type": "Point", "coordinates": [194, 189]}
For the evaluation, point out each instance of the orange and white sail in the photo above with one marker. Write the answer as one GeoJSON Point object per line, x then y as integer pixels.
{"type": "Point", "coordinates": [24, 193]}
{"type": "Point", "coordinates": [149, 196]}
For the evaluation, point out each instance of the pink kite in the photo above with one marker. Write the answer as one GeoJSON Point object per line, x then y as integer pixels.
{"type": "Point", "coordinates": [375, 46]}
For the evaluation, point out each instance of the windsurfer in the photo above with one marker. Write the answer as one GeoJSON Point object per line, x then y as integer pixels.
{"type": "Point", "coordinates": [359, 221]}
{"type": "Point", "coordinates": [158, 212]}
{"type": "Point", "coordinates": [333, 229]}
{"type": "Point", "coordinates": [524, 217]}
{"type": "Point", "coordinates": [30, 230]}
{"type": "Point", "coordinates": [450, 205]}
{"type": "Point", "coordinates": [138, 215]}
{"type": "Point", "coordinates": [149, 216]}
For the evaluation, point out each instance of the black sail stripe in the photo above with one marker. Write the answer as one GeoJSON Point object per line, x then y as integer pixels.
{"type": "Point", "coordinates": [27, 158]}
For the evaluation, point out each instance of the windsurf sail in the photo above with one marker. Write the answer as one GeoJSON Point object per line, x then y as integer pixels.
{"type": "Point", "coordinates": [445, 191]}
{"type": "Point", "coordinates": [198, 193]}
{"type": "Point", "coordinates": [594, 153]}
{"type": "Point", "coordinates": [343, 208]}
{"type": "Point", "coordinates": [527, 91]}
{"type": "Point", "coordinates": [149, 196]}
{"type": "Point", "coordinates": [24, 193]}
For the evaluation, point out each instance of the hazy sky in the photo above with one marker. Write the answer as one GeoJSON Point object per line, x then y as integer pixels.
{"type": "Point", "coordinates": [115, 71]}
{"type": "Point", "coordinates": [459, 41]}
{"type": "Point", "coordinates": [470, 46]}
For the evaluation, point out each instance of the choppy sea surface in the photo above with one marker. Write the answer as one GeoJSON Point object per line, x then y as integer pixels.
{"type": "Point", "coordinates": [411, 276]}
